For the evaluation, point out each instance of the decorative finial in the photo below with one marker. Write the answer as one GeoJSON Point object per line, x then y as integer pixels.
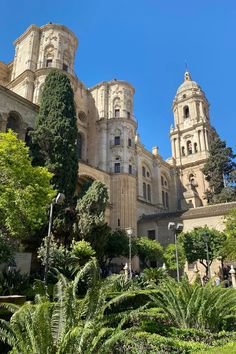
{"type": "Point", "coordinates": [187, 76]}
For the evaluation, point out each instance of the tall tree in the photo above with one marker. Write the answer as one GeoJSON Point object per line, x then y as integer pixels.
{"type": "Point", "coordinates": [56, 133]}
{"type": "Point", "coordinates": [149, 251]}
{"type": "Point", "coordinates": [230, 231]}
{"type": "Point", "coordinates": [91, 208]}
{"type": "Point", "coordinates": [197, 241]}
{"type": "Point", "coordinates": [218, 171]}
{"type": "Point", "coordinates": [54, 143]}
{"type": "Point", "coordinates": [25, 191]}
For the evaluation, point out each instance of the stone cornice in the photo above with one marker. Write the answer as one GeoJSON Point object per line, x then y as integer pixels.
{"type": "Point", "coordinates": [112, 82]}
{"type": "Point", "coordinates": [19, 98]}
{"type": "Point", "coordinates": [194, 213]}
{"type": "Point", "coordinates": [26, 33]}
{"type": "Point", "coordinates": [20, 78]}
{"type": "Point", "coordinates": [40, 29]}
{"type": "Point", "coordinates": [201, 124]}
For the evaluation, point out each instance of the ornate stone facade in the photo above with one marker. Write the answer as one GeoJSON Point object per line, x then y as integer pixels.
{"type": "Point", "coordinates": [139, 182]}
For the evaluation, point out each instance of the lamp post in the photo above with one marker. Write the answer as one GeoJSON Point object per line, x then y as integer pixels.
{"type": "Point", "coordinates": [176, 229]}
{"type": "Point", "coordinates": [129, 232]}
{"type": "Point", "coordinates": [58, 200]}
{"type": "Point", "coordinates": [206, 238]}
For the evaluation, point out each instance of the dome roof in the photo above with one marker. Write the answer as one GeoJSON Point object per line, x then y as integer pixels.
{"type": "Point", "coordinates": [188, 84]}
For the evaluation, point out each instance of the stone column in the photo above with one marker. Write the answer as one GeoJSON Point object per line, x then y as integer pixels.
{"type": "Point", "coordinates": [173, 147]}
{"type": "Point", "coordinates": [206, 139]}
{"type": "Point", "coordinates": [202, 140]}
{"type": "Point", "coordinates": [199, 140]}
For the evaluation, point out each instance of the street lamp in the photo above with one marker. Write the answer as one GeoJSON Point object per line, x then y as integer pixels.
{"type": "Point", "coordinates": [206, 239]}
{"type": "Point", "coordinates": [129, 232]}
{"type": "Point", "coordinates": [58, 200]}
{"type": "Point", "coordinates": [176, 229]}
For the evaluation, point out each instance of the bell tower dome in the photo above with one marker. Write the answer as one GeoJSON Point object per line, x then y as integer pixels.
{"type": "Point", "coordinates": [190, 139]}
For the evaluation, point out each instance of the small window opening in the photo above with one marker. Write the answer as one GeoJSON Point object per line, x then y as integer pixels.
{"type": "Point", "coordinates": [128, 115]}
{"type": "Point", "coordinates": [49, 63]}
{"type": "Point", "coordinates": [65, 67]}
{"type": "Point", "coordinates": [117, 167]}
{"type": "Point", "coordinates": [130, 169]}
{"type": "Point", "coordinates": [117, 140]}
{"type": "Point", "coordinates": [186, 112]}
{"type": "Point", "coordinates": [129, 142]}
{"type": "Point", "coordinates": [118, 222]}
{"type": "Point", "coordinates": [117, 113]}
{"type": "Point", "coordinates": [189, 147]}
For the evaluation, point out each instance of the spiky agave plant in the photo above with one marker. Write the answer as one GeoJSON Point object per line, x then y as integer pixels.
{"type": "Point", "coordinates": [193, 306]}
{"type": "Point", "coordinates": [71, 324]}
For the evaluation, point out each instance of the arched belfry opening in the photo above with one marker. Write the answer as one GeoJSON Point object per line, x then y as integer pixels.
{"type": "Point", "coordinates": [186, 111]}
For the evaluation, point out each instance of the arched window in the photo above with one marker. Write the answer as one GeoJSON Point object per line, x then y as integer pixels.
{"type": "Point", "coordinates": [49, 55]}
{"type": "Point", "coordinates": [116, 107]}
{"type": "Point", "coordinates": [144, 171]}
{"type": "Point", "coordinates": [149, 192]}
{"type": "Point", "coordinates": [162, 180]}
{"type": "Point", "coordinates": [14, 122]}
{"type": "Point", "coordinates": [189, 147]}
{"type": "Point", "coordinates": [186, 111]}
{"type": "Point", "coordinates": [195, 147]}
{"type": "Point", "coordinates": [167, 200]}
{"type": "Point", "coordinates": [144, 191]}
{"type": "Point", "coordinates": [163, 198]}
{"type": "Point", "coordinates": [183, 151]}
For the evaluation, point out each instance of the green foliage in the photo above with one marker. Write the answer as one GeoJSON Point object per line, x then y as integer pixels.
{"type": "Point", "coordinates": [230, 223]}
{"type": "Point", "coordinates": [142, 342]}
{"type": "Point", "coordinates": [149, 251]}
{"type": "Point", "coordinates": [229, 249]}
{"type": "Point", "coordinates": [13, 282]}
{"type": "Point", "coordinates": [194, 244]}
{"type": "Point", "coordinates": [194, 306]}
{"type": "Point", "coordinates": [170, 256]}
{"type": "Point", "coordinates": [229, 348]}
{"type": "Point", "coordinates": [118, 245]}
{"type": "Point", "coordinates": [25, 190]}
{"type": "Point", "coordinates": [154, 275]}
{"type": "Point", "coordinates": [91, 208]}
{"type": "Point", "coordinates": [54, 139]}
{"type": "Point", "coordinates": [82, 251]}
{"type": "Point", "coordinates": [70, 324]}
{"type": "Point", "coordinates": [59, 255]}
{"type": "Point", "coordinates": [218, 168]}
{"type": "Point", "coordinates": [7, 249]}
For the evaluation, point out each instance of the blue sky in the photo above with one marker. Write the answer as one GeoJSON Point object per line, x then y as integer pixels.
{"type": "Point", "coordinates": [147, 43]}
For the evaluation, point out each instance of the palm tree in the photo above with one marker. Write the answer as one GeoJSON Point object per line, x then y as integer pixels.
{"type": "Point", "coordinates": [194, 306]}
{"type": "Point", "coordinates": [72, 324]}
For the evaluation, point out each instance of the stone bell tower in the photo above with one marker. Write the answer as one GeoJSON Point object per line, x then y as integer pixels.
{"type": "Point", "coordinates": [190, 139]}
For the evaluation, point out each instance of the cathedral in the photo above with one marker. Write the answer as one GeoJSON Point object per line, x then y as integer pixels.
{"type": "Point", "coordinates": [145, 191]}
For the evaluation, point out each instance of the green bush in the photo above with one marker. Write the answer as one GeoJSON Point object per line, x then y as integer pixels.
{"type": "Point", "coordinates": [143, 342]}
